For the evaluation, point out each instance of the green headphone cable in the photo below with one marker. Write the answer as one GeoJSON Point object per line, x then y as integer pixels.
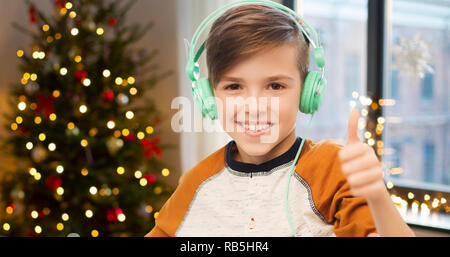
{"type": "Point", "coordinates": [291, 171]}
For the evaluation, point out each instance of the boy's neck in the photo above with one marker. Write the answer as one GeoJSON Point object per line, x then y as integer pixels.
{"type": "Point", "coordinates": [278, 150]}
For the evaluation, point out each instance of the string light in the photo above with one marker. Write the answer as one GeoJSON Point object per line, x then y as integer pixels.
{"type": "Point", "coordinates": [65, 216]}
{"type": "Point", "coordinates": [143, 182]}
{"type": "Point", "coordinates": [157, 190]}
{"type": "Point", "coordinates": [32, 171]}
{"type": "Point", "coordinates": [9, 210]}
{"type": "Point", "coordinates": [19, 119]}
{"type": "Point", "coordinates": [63, 71]}
{"type": "Point", "coordinates": [34, 214]}
{"type": "Point", "coordinates": [138, 174]}
{"type": "Point", "coordinates": [165, 172]}
{"type": "Point", "coordinates": [77, 58]}
{"type": "Point", "coordinates": [38, 229]}
{"type": "Point", "coordinates": [58, 36]}
{"type": "Point", "coordinates": [121, 217]}
{"type": "Point", "coordinates": [37, 120]}
{"type": "Point", "coordinates": [84, 171]}
{"type": "Point", "coordinates": [59, 169]}
{"type": "Point", "coordinates": [45, 27]}
{"type": "Point", "coordinates": [110, 124]}
{"type": "Point", "coordinates": [133, 91]}
{"type": "Point", "coordinates": [74, 31]}
{"type": "Point", "coordinates": [59, 226]}
{"type": "Point", "coordinates": [131, 80]}
{"type": "Point", "coordinates": [106, 73]}
{"type": "Point", "coordinates": [72, 14]}
{"type": "Point", "coordinates": [60, 191]}
{"type": "Point", "coordinates": [86, 82]}
{"type": "Point", "coordinates": [140, 135]}
{"type": "Point", "coordinates": [52, 117]}
{"type": "Point", "coordinates": [29, 145]}
{"type": "Point", "coordinates": [14, 126]}
{"type": "Point", "coordinates": [84, 142]}
{"type": "Point", "coordinates": [129, 115]}
{"type": "Point", "coordinates": [94, 233]}
{"type": "Point", "coordinates": [118, 81]}
{"type": "Point", "coordinates": [120, 170]}
{"type": "Point", "coordinates": [89, 214]}
{"type": "Point", "coordinates": [83, 108]}
{"type": "Point", "coordinates": [42, 136]}
{"type": "Point", "coordinates": [149, 130]}
{"type": "Point", "coordinates": [100, 31]}
{"type": "Point", "coordinates": [37, 176]}
{"type": "Point", "coordinates": [19, 53]}
{"type": "Point", "coordinates": [125, 132]}
{"type": "Point", "coordinates": [93, 190]}
{"type": "Point", "coordinates": [51, 147]}
{"type": "Point", "coordinates": [22, 106]}
{"type": "Point", "coordinates": [6, 226]}
{"type": "Point", "coordinates": [68, 5]}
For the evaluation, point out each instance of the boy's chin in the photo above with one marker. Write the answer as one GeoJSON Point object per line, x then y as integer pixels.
{"type": "Point", "coordinates": [254, 147]}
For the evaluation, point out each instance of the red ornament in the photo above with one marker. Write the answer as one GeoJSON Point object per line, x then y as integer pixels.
{"type": "Point", "coordinates": [110, 215]}
{"type": "Point", "coordinates": [12, 206]}
{"type": "Point", "coordinates": [112, 22]}
{"type": "Point", "coordinates": [151, 147]}
{"type": "Point", "coordinates": [60, 4]}
{"type": "Point", "coordinates": [30, 233]}
{"type": "Point", "coordinates": [32, 12]}
{"type": "Point", "coordinates": [108, 95]}
{"type": "Point", "coordinates": [45, 103]}
{"type": "Point", "coordinates": [23, 130]}
{"type": "Point", "coordinates": [130, 137]}
{"type": "Point", "coordinates": [150, 178]}
{"type": "Point", "coordinates": [118, 211]}
{"type": "Point", "coordinates": [80, 76]}
{"type": "Point", "coordinates": [53, 182]}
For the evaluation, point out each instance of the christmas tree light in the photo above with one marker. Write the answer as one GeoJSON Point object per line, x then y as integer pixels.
{"type": "Point", "coordinates": [76, 131]}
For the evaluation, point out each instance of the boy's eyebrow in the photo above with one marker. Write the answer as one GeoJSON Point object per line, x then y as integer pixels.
{"type": "Point", "coordinates": [271, 78]}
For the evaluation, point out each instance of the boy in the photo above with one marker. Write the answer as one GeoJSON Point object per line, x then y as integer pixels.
{"type": "Point", "coordinates": [257, 51]}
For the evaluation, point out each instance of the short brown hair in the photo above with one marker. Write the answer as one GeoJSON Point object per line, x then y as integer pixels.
{"type": "Point", "coordinates": [247, 29]}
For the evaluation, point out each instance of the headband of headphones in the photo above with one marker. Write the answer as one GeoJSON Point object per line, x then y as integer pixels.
{"type": "Point", "coordinates": [192, 67]}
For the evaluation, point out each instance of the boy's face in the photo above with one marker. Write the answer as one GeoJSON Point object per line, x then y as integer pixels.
{"type": "Point", "coordinates": [259, 99]}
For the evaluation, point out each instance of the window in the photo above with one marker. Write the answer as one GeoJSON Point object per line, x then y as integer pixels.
{"type": "Point", "coordinates": [342, 26]}
{"type": "Point", "coordinates": [427, 87]}
{"type": "Point", "coordinates": [428, 162]}
{"type": "Point", "coordinates": [409, 81]}
{"type": "Point", "coordinates": [352, 74]}
{"type": "Point", "coordinates": [394, 84]}
{"type": "Point", "coordinates": [415, 134]}
{"type": "Point", "coordinates": [418, 49]}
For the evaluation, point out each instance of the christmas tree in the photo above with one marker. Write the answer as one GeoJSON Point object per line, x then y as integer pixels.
{"type": "Point", "coordinates": [88, 153]}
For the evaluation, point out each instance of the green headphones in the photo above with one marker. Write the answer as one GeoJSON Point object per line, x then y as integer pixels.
{"type": "Point", "coordinates": [202, 93]}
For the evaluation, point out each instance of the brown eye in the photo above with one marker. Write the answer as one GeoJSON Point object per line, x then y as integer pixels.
{"type": "Point", "coordinates": [276, 86]}
{"type": "Point", "coordinates": [233, 87]}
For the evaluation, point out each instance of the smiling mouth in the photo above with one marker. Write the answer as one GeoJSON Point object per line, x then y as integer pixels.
{"type": "Point", "coordinates": [255, 128]}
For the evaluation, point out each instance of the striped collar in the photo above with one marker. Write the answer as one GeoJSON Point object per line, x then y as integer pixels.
{"type": "Point", "coordinates": [284, 158]}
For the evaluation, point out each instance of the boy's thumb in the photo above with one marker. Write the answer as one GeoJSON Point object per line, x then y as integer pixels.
{"type": "Point", "coordinates": [353, 127]}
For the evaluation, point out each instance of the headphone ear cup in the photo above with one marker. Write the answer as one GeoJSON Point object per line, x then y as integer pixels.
{"type": "Point", "coordinates": [204, 98]}
{"type": "Point", "coordinates": [309, 102]}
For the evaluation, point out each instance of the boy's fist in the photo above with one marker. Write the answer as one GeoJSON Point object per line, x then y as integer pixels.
{"type": "Point", "coordinates": [360, 164]}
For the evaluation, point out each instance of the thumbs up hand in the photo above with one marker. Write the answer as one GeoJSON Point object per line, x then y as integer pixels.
{"type": "Point", "coordinates": [360, 164]}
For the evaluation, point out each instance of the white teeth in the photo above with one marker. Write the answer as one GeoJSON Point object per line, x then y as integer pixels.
{"type": "Point", "coordinates": [254, 126]}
